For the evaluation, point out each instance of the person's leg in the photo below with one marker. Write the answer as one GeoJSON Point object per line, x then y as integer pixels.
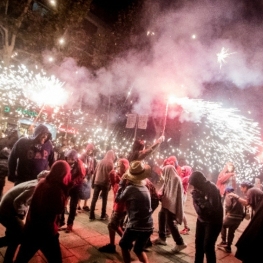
{"type": "Point", "coordinates": [27, 249]}
{"type": "Point", "coordinates": [162, 223]}
{"type": "Point", "coordinates": [211, 234]}
{"type": "Point", "coordinates": [173, 228]}
{"type": "Point", "coordinates": [50, 248]}
{"type": "Point", "coordinates": [13, 236]}
{"type": "Point", "coordinates": [104, 194]}
{"type": "Point", "coordinates": [140, 242]}
{"type": "Point", "coordinates": [74, 197]}
{"type": "Point", "coordinates": [199, 242]}
{"type": "Point", "coordinates": [224, 230]}
{"type": "Point", "coordinates": [231, 232]}
{"type": "Point", "coordinates": [126, 244]}
{"type": "Point", "coordinates": [95, 197]}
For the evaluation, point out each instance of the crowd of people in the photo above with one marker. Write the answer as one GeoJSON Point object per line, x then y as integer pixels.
{"type": "Point", "coordinates": [47, 182]}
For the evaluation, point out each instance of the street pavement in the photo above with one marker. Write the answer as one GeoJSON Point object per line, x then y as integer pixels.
{"type": "Point", "coordinates": [81, 245]}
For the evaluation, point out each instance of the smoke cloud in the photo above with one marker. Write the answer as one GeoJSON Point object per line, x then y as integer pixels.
{"type": "Point", "coordinates": [185, 42]}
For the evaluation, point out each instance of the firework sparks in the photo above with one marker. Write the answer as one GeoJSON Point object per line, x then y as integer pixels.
{"type": "Point", "coordinates": [224, 135]}
{"type": "Point", "coordinates": [38, 88]}
{"type": "Point", "coordinates": [221, 57]}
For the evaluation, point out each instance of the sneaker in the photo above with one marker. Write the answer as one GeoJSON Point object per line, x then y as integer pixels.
{"type": "Point", "coordinates": [68, 229]}
{"type": "Point", "coordinates": [225, 249]}
{"type": "Point", "coordinates": [86, 208]}
{"type": "Point", "coordinates": [222, 244]}
{"type": "Point", "coordinates": [160, 241]}
{"type": "Point", "coordinates": [109, 248]}
{"type": "Point", "coordinates": [178, 248]}
{"type": "Point", "coordinates": [185, 231]}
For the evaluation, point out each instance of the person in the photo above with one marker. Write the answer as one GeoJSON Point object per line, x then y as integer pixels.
{"type": "Point", "coordinates": [101, 184]}
{"type": "Point", "coordinates": [249, 244]}
{"type": "Point", "coordinates": [139, 226]}
{"type": "Point", "coordinates": [41, 229]}
{"type": "Point", "coordinates": [139, 152]}
{"type": "Point", "coordinates": [186, 171]}
{"type": "Point", "coordinates": [30, 156]}
{"type": "Point", "coordinates": [209, 209]}
{"type": "Point", "coordinates": [88, 158]}
{"type": "Point", "coordinates": [78, 172]}
{"type": "Point", "coordinates": [234, 214]}
{"type": "Point", "coordinates": [227, 177]}
{"type": "Point", "coordinates": [13, 209]}
{"type": "Point", "coordinates": [171, 195]}
{"type": "Point", "coordinates": [172, 160]}
{"type": "Point", "coordinates": [119, 211]}
{"type": "Point", "coordinates": [6, 144]}
{"type": "Point", "coordinates": [253, 196]}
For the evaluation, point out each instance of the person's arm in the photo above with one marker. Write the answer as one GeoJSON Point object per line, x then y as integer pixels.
{"type": "Point", "coordinates": [51, 157]}
{"type": "Point", "coordinates": [223, 177]}
{"type": "Point", "coordinates": [241, 200]}
{"type": "Point", "coordinates": [22, 201]}
{"type": "Point", "coordinates": [146, 152]}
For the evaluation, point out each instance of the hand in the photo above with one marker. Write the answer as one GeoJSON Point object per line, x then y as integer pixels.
{"type": "Point", "coordinates": [161, 139]}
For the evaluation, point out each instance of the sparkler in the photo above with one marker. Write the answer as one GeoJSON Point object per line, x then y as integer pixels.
{"type": "Point", "coordinates": [221, 57]}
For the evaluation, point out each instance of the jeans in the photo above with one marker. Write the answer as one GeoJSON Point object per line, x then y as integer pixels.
{"type": "Point", "coordinates": [74, 198]}
{"type": "Point", "coordinates": [205, 239]}
{"type": "Point", "coordinates": [104, 194]}
{"type": "Point", "coordinates": [232, 225]}
{"type": "Point", "coordinates": [165, 217]}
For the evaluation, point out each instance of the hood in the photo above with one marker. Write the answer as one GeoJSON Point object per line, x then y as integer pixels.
{"type": "Point", "coordinates": [198, 180]}
{"type": "Point", "coordinates": [172, 160]}
{"type": "Point", "coordinates": [125, 163]}
{"type": "Point", "coordinates": [72, 154]}
{"type": "Point", "coordinates": [59, 173]}
{"type": "Point", "coordinates": [40, 129]}
{"type": "Point", "coordinates": [110, 156]}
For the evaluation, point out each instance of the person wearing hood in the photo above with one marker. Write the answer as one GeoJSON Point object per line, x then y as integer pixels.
{"type": "Point", "coordinates": [101, 184]}
{"type": "Point", "coordinates": [78, 172]}
{"type": "Point", "coordinates": [171, 195]}
{"type": "Point", "coordinates": [88, 158]}
{"type": "Point", "coordinates": [249, 244]}
{"type": "Point", "coordinates": [226, 178]}
{"type": "Point", "coordinates": [186, 171]}
{"type": "Point", "coordinates": [209, 209]}
{"type": "Point", "coordinates": [30, 156]}
{"type": "Point", "coordinates": [13, 209]}
{"type": "Point", "coordinates": [41, 229]}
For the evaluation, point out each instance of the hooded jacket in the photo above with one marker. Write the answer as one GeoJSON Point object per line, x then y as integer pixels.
{"type": "Point", "coordinates": [206, 199]}
{"type": "Point", "coordinates": [103, 169]}
{"type": "Point", "coordinates": [28, 158]}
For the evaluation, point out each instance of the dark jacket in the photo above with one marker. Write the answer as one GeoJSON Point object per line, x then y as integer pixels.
{"type": "Point", "coordinates": [206, 199]}
{"type": "Point", "coordinates": [28, 158]}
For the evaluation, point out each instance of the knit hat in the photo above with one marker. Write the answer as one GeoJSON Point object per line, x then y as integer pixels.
{"type": "Point", "coordinates": [137, 172]}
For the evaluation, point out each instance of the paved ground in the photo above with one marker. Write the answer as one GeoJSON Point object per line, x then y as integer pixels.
{"type": "Point", "coordinates": [81, 245]}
